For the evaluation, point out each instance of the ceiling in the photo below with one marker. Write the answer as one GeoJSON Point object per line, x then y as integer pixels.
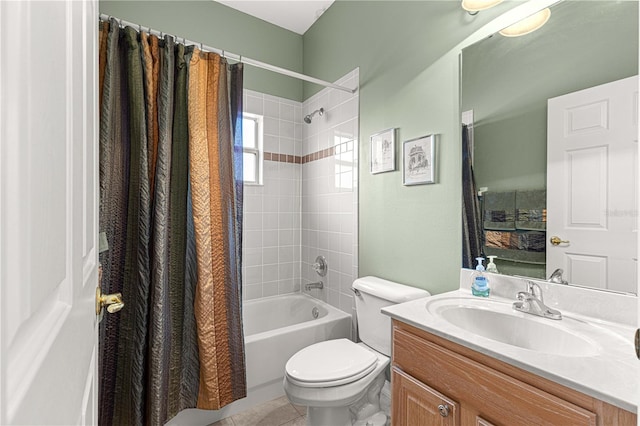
{"type": "Point", "coordinates": [293, 15]}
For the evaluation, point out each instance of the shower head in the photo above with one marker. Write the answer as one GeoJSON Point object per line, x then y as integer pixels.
{"type": "Point", "coordinates": [307, 118]}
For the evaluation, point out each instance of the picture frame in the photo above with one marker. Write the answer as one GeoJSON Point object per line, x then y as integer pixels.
{"type": "Point", "coordinates": [383, 151]}
{"type": "Point", "coordinates": [419, 161]}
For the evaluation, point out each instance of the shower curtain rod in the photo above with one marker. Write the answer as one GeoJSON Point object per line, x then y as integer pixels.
{"type": "Point", "coordinates": [233, 56]}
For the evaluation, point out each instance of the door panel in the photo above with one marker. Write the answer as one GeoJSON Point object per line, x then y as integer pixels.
{"type": "Point", "coordinates": [415, 403]}
{"type": "Point", "coordinates": [591, 185]}
{"type": "Point", "coordinates": [48, 211]}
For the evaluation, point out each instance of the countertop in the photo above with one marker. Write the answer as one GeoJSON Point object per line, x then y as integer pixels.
{"type": "Point", "coordinates": [611, 375]}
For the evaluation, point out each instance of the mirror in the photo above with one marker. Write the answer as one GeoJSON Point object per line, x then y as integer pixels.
{"type": "Point", "coordinates": [506, 82]}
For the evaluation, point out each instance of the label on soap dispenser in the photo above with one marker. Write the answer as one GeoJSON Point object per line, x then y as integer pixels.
{"type": "Point", "coordinates": [480, 287]}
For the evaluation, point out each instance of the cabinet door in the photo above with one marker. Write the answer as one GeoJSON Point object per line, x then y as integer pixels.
{"type": "Point", "coordinates": [415, 403]}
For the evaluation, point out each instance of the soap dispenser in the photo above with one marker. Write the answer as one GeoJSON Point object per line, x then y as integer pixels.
{"type": "Point", "coordinates": [491, 267]}
{"type": "Point", "coordinates": [480, 285]}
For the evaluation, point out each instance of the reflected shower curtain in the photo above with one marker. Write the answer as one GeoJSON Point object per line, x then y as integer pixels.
{"type": "Point", "coordinates": [171, 214]}
{"type": "Point", "coordinates": [471, 219]}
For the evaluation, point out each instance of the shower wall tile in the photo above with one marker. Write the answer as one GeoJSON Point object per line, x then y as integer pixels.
{"type": "Point", "coordinates": [271, 246]}
{"type": "Point", "coordinates": [253, 102]}
{"type": "Point", "coordinates": [307, 205]}
{"type": "Point", "coordinates": [329, 212]}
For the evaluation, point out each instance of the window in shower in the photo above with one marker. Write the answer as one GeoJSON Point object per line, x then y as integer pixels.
{"type": "Point", "coordinates": [252, 148]}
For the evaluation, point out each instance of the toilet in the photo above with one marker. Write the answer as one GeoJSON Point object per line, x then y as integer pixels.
{"type": "Point", "coordinates": [339, 381]}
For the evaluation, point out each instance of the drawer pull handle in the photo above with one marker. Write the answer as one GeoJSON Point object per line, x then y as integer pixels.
{"type": "Point", "coordinates": [443, 409]}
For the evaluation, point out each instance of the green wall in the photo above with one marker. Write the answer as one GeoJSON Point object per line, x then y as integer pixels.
{"type": "Point", "coordinates": [219, 26]}
{"type": "Point", "coordinates": [409, 80]}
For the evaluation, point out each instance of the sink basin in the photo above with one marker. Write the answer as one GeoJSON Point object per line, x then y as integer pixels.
{"type": "Point", "coordinates": [499, 322]}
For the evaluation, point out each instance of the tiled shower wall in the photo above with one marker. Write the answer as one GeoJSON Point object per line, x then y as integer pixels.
{"type": "Point", "coordinates": [329, 192]}
{"type": "Point", "coordinates": [271, 239]}
{"type": "Point", "coordinates": [308, 203]}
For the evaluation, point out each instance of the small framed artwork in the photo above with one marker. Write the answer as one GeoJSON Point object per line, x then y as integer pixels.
{"type": "Point", "coordinates": [418, 160]}
{"type": "Point", "coordinates": [383, 151]}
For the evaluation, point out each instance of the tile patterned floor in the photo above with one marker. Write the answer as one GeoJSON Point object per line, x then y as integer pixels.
{"type": "Point", "coordinates": [279, 412]}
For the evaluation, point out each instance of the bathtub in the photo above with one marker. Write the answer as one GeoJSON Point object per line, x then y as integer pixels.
{"type": "Point", "coordinates": [275, 328]}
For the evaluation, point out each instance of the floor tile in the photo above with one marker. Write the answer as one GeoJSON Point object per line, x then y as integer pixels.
{"type": "Point", "coordinates": [223, 422]}
{"type": "Point", "coordinates": [300, 421]}
{"type": "Point", "coordinates": [301, 409]}
{"type": "Point", "coordinates": [272, 413]}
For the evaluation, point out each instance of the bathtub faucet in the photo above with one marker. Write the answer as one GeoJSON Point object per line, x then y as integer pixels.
{"type": "Point", "coordinates": [309, 286]}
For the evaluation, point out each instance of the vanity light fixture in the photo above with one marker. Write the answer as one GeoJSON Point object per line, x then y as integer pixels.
{"type": "Point", "coordinates": [527, 25]}
{"type": "Point", "coordinates": [475, 6]}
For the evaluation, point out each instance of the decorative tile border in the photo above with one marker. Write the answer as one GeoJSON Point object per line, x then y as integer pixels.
{"type": "Point", "coordinates": [319, 155]}
{"type": "Point", "coordinates": [295, 159]}
{"type": "Point", "coordinates": [282, 158]}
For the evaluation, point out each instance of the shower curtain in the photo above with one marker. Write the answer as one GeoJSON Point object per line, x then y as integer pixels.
{"type": "Point", "coordinates": [171, 215]}
{"type": "Point", "coordinates": [471, 223]}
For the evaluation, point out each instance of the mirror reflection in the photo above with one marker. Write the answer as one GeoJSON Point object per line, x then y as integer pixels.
{"type": "Point", "coordinates": [551, 144]}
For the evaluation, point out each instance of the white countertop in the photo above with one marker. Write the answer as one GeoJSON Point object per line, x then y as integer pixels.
{"type": "Point", "coordinates": [611, 375]}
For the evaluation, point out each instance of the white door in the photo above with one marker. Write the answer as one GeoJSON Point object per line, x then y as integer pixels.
{"type": "Point", "coordinates": [48, 212]}
{"type": "Point", "coordinates": [592, 204]}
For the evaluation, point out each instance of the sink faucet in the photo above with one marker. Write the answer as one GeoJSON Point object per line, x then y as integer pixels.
{"type": "Point", "coordinates": [556, 277]}
{"type": "Point", "coordinates": [532, 302]}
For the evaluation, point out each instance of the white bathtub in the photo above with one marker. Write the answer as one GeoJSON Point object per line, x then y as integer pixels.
{"type": "Point", "coordinates": [275, 328]}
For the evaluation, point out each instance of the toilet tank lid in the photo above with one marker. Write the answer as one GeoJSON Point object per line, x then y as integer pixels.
{"type": "Point", "coordinates": [389, 290]}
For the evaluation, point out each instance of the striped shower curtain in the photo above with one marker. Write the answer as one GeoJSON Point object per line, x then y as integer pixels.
{"type": "Point", "coordinates": [170, 217]}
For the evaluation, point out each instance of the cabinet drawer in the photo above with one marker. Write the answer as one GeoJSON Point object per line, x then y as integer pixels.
{"type": "Point", "coordinates": [498, 397]}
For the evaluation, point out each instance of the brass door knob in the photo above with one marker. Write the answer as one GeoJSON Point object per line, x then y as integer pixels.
{"type": "Point", "coordinates": [556, 241]}
{"type": "Point", "coordinates": [113, 302]}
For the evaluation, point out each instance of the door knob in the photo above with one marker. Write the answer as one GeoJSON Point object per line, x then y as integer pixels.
{"type": "Point", "coordinates": [556, 241]}
{"type": "Point", "coordinates": [113, 302]}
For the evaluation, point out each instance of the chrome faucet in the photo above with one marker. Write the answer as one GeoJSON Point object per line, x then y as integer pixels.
{"type": "Point", "coordinates": [532, 302]}
{"type": "Point", "coordinates": [556, 277]}
{"type": "Point", "coordinates": [309, 286]}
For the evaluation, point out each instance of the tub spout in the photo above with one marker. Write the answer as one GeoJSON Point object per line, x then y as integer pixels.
{"type": "Point", "coordinates": [309, 286]}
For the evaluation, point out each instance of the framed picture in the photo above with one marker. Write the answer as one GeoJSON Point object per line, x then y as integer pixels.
{"type": "Point", "coordinates": [418, 160]}
{"type": "Point", "coordinates": [383, 151]}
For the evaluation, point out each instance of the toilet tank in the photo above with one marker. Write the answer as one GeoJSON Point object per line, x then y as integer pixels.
{"type": "Point", "coordinates": [373, 294]}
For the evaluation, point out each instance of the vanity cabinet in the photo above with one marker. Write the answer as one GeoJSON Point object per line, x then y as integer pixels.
{"type": "Point", "coordinates": [438, 382]}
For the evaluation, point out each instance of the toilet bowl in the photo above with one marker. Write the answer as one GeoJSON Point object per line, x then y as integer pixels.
{"type": "Point", "coordinates": [331, 377]}
{"type": "Point", "coordinates": [339, 381]}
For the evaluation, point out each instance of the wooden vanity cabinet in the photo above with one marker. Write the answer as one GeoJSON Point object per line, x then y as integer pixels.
{"type": "Point", "coordinates": [438, 382]}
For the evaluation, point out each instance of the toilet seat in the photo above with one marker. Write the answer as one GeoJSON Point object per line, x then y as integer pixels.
{"type": "Point", "coordinates": [330, 363]}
